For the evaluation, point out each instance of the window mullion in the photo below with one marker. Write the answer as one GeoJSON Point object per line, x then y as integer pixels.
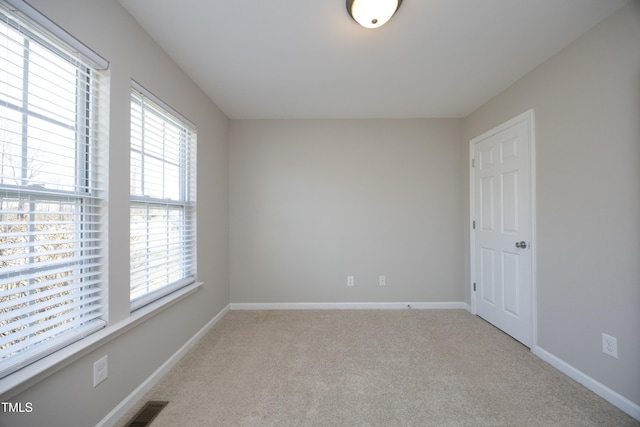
{"type": "Point", "coordinates": [147, 247]}
{"type": "Point", "coordinates": [82, 166]}
{"type": "Point", "coordinates": [25, 113]}
{"type": "Point", "coordinates": [25, 164]}
{"type": "Point", "coordinates": [164, 159]}
{"type": "Point", "coordinates": [143, 138]}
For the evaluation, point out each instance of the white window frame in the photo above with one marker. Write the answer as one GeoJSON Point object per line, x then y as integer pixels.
{"type": "Point", "coordinates": [152, 280]}
{"type": "Point", "coordinates": [32, 326]}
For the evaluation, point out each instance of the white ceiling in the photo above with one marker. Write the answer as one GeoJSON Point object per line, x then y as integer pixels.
{"type": "Point", "coordinates": [309, 59]}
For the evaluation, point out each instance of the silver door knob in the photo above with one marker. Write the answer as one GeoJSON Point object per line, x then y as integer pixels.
{"type": "Point", "coordinates": [521, 245]}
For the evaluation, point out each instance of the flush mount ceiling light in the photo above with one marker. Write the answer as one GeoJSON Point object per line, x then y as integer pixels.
{"type": "Point", "coordinates": [372, 13]}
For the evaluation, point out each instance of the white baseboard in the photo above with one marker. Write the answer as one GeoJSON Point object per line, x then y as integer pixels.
{"type": "Point", "coordinates": [601, 390]}
{"type": "Point", "coordinates": [129, 402]}
{"type": "Point", "coordinates": [350, 306]}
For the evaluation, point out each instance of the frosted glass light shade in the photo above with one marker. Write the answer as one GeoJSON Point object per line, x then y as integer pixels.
{"type": "Point", "coordinates": [372, 13]}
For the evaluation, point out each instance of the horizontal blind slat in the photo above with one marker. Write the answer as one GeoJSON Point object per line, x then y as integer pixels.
{"type": "Point", "coordinates": [21, 341]}
{"type": "Point", "coordinates": [34, 316]}
{"type": "Point", "coordinates": [78, 280]}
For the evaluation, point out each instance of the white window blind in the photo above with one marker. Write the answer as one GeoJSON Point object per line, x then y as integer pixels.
{"type": "Point", "coordinates": [163, 199]}
{"type": "Point", "coordinates": [51, 253]}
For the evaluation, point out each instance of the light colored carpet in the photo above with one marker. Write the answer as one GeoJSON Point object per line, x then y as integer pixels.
{"type": "Point", "coordinates": [369, 368]}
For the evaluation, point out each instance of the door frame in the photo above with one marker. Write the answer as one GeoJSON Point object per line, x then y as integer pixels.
{"type": "Point", "coordinates": [529, 117]}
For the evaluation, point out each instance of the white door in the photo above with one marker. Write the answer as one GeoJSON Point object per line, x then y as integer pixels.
{"type": "Point", "coordinates": [502, 227]}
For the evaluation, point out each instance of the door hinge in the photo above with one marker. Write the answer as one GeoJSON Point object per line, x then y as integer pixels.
{"type": "Point", "coordinates": [473, 224]}
{"type": "Point", "coordinates": [474, 287]}
{"type": "Point", "coordinates": [473, 163]}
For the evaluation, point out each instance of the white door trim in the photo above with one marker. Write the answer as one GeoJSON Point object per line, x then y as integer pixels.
{"type": "Point", "coordinates": [530, 118]}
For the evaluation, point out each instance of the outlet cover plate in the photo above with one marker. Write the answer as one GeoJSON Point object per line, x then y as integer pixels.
{"type": "Point", "coordinates": [100, 370]}
{"type": "Point", "coordinates": [610, 346]}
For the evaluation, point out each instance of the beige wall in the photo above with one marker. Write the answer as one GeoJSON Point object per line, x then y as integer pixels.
{"type": "Point", "coordinates": [67, 398]}
{"type": "Point", "coordinates": [587, 112]}
{"type": "Point", "coordinates": [313, 201]}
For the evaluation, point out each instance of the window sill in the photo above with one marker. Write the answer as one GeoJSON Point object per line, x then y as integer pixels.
{"type": "Point", "coordinates": [28, 376]}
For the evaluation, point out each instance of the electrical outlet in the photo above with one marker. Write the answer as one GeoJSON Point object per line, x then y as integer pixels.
{"type": "Point", "coordinates": [382, 280]}
{"type": "Point", "coordinates": [351, 281]}
{"type": "Point", "coordinates": [100, 371]}
{"type": "Point", "coordinates": [610, 346]}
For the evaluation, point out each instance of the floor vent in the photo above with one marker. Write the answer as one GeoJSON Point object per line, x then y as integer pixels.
{"type": "Point", "coordinates": [147, 414]}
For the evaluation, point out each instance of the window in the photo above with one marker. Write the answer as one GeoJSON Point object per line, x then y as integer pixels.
{"type": "Point", "coordinates": [163, 199]}
{"type": "Point", "coordinates": [51, 253]}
